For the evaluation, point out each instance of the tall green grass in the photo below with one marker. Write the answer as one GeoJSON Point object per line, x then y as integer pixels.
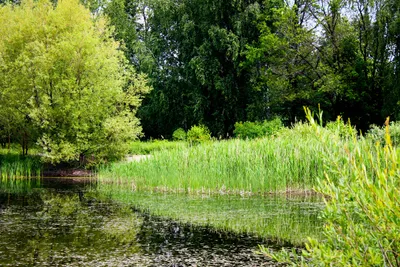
{"type": "Point", "coordinates": [14, 166]}
{"type": "Point", "coordinates": [144, 148]}
{"type": "Point", "coordinates": [362, 213]}
{"type": "Point", "coordinates": [294, 160]}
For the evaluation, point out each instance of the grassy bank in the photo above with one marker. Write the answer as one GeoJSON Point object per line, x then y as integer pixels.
{"type": "Point", "coordinates": [293, 160]}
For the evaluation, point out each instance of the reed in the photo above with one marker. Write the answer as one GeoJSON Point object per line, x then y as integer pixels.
{"type": "Point", "coordinates": [362, 211]}
{"type": "Point", "coordinates": [144, 148]}
{"type": "Point", "coordinates": [293, 160]}
{"type": "Point", "coordinates": [14, 166]}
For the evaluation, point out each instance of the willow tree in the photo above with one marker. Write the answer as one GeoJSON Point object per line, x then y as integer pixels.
{"type": "Point", "coordinates": [63, 77]}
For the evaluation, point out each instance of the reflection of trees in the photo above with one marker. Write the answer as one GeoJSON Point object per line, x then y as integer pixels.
{"type": "Point", "coordinates": [66, 228]}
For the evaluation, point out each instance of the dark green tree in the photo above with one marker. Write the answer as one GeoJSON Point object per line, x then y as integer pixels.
{"type": "Point", "coordinates": [194, 54]}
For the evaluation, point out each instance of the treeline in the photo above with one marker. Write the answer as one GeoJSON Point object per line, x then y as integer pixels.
{"type": "Point", "coordinates": [218, 62]}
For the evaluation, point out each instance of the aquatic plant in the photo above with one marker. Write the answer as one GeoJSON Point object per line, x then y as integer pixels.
{"type": "Point", "coordinates": [148, 147]}
{"type": "Point", "coordinates": [293, 160]}
{"type": "Point", "coordinates": [362, 213]}
{"type": "Point", "coordinates": [14, 165]}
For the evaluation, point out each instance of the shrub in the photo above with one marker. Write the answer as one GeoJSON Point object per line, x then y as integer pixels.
{"type": "Point", "coordinates": [251, 130]}
{"type": "Point", "coordinates": [339, 127]}
{"type": "Point", "coordinates": [198, 134]}
{"type": "Point", "coordinates": [179, 135]}
{"type": "Point", "coordinates": [377, 134]}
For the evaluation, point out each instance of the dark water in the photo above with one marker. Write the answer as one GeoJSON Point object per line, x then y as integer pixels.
{"type": "Point", "coordinates": [64, 222]}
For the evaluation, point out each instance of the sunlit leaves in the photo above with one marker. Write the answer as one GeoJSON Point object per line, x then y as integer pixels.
{"type": "Point", "coordinates": [64, 75]}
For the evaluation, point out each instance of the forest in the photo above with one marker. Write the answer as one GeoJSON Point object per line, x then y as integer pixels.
{"type": "Point", "coordinates": [221, 62]}
{"type": "Point", "coordinates": [192, 62]}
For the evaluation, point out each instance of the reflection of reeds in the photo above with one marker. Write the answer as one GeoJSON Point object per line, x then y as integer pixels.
{"type": "Point", "coordinates": [279, 218]}
{"type": "Point", "coordinates": [18, 186]}
{"type": "Point", "coordinates": [14, 166]}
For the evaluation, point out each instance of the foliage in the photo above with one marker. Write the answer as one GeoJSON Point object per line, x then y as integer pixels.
{"type": "Point", "coordinates": [192, 52]}
{"type": "Point", "coordinates": [198, 134]}
{"type": "Point", "coordinates": [377, 134]}
{"type": "Point", "coordinates": [345, 130]}
{"type": "Point", "coordinates": [14, 166]}
{"type": "Point", "coordinates": [218, 63]}
{"type": "Point", "coordinates": [65, 83]}
{"type": "Point", "coordinates": [179, 135]}
{"type": "Point", "coordinates": [253, 130]}
{"type": "Point", "coordinates": [362, 208]}
{"type": "Point", "coordinates": [149, 147]}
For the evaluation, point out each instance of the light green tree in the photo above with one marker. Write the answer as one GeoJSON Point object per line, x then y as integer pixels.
{"type": "Point", "coordinates": [63, 75]}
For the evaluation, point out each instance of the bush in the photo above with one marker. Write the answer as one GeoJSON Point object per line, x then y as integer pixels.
{"type": "Point", "coordinates": [344, 130]}
{"type": "Point", "coordinates": [179, 135]}
{"type": "Point", "coordinates": [198, 134]}
{"type": "Point", "coordinates": [251, 130]}
{"type": "Point", "coordinates": [377, 134]}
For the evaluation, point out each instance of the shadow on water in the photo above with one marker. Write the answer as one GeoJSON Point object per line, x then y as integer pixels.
{"type": "Point", "coordinates": [62, 222]}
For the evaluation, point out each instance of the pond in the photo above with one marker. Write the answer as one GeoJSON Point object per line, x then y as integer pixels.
{"type": "Point", "coordinates": [77, 222]}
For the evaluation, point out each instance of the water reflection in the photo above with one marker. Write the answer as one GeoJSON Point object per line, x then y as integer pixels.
{"type": "Point", "coordinates": [56, 222]}
{"type": "Point", "coordinates": [280, 219]}
{"type": "Point", "coordinates": [48, 228]}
